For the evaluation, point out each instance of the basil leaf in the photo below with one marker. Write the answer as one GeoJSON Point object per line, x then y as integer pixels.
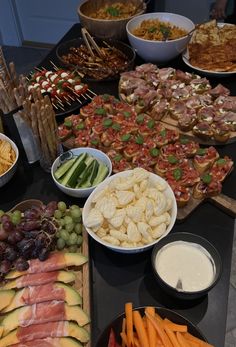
{"type": "Point", "coordinates": [94, 141]}
{"type": "Point", "coordinates": [126, 114]}
{"type": "Point", "coordinates": [152, 29]}
{"type": "Point", "coordinates": [163, 133]}
{"type": "Point", "coordinates": [177, 173]}
{"type": "Point", "coordinates": [68, 123]}
{"type": "Point", "coordinates": [184, 140]}
{"type": "Point", "coordinates": [112, 11]}
{"type": "Point", "coordinates": [221, 161]}
{"type": "Point", "coordinates": [151, 123]}
{"type": "Point", "coordinates": [139, 140]}
{"type": "Point", "coordinates": [107, 122]}
{"type": "Point", "coordinates": [207, 178]}
{"type": "Point", "coordinates": [118, 157]}
{"type": "Point", "coordinates": [172, 159]}
{"type": "Point", "coordinates": [100, 111]}
{"type": "Point", "coordinates": [201, 151]}
{"type": "Point", "coordinates": [154, 152]}
{"type": "Point", "coordinates": [125, 137]}
{"type": "Point", "coordinates": [116, 126]}
{"type": "Point", "coordinates": [140, 118]}
{"type": "Point", "coordinates": [80, 126]}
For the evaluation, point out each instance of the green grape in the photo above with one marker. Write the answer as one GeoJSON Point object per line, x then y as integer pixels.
{"type": "Point", "coordinates": [15, 219]}
{"type": "Point", "coordinates": [61, 206]}
{"type": "Point", "coordinates": [73, 238]}
{"type": "Point", "coordinates": [17, 213]}
{"type": "Point", "coordinates": [78, 228]}
{"type": "Point", "coordinates": [60, 243]}
{"type": "Point", "coordinates": [58, 235]}
{"type": "Point", "coordinates": [64, 234]}
{"type": "Point", "coordinates": [76, 214]}
{"type": "Point", "coordinates": [69, 227]}
{"type": "Point", "coordinates": [73, 249]}
{"type": "Point", "coordinates": [74, 207]}
{"type": "Point", "coordinates": [61, 222]}
{"type": "Point", "coordinates": [1, 213]}
{"type": "Point", "coordinates": [68, 220]}
{"type": "Point", "coordinates": [58, 214]}
{"type": "Point", "coordinates": [79, 240]}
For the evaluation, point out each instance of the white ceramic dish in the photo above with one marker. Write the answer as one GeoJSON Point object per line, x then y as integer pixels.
{"type": "Point", "coordinates": [82, 192]}
{"type": "Point", "coordinates": [87, 207]}
{"type": "Point", "coordinates": [6, 176]}
{"type": "Point", "coordinates": [185, 57]}
{"type": "Point", "coordinates": [159, 51]}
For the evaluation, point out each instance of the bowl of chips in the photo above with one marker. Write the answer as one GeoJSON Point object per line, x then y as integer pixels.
{"type": "Point", "coordinates": [130, 211]}
{"type": "Point", "coordinates": [8, 159]}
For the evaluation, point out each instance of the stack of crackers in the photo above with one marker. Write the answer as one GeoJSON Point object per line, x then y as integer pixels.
{"type": "Point", "coordinates": [7, 156]}
{"type": "Point", "coordinates": [213, 47]}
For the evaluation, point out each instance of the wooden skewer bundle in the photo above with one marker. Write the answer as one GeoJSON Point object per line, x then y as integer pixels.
{"type": "Point", "coordinates": [13, 88]}
{"type": "Point", "coordinates": [40, 117]}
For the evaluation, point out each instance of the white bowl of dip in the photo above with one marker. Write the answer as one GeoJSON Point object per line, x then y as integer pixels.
{"type": "Point", "coordinates": [186, 265]}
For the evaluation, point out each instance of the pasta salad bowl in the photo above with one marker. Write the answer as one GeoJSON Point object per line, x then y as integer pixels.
{"type": "Point", "coordinates": [106, 19]}
{"type": "Point", "coordinates": [159, 37]}
{"type": "Point", "coordinates": [131, 211]}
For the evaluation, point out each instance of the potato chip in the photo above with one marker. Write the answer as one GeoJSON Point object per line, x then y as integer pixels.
{"type": "Point", "coordinates": [7, 156]}
{"type": "Point", "coordinates": [133, 233]}
{"type": "Point", "coordinates": [94, 219]}
{"type": "Point", "coordinates": [118, 218]}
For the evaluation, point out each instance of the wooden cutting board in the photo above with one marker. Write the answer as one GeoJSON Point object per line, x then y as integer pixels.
{"type": "Point", "coordinates": [225, 203]}
{"type": "Point", "coordinates": [173, 123]}
{"type": "Point", "coordinates": [82, 282]}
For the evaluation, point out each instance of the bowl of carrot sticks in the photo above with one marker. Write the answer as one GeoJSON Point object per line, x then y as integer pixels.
{"type": "Point", "coordinates": [151, 326]}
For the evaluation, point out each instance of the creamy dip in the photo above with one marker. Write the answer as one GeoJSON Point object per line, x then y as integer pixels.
{"type": "Point", "coordinates": [188, 262]}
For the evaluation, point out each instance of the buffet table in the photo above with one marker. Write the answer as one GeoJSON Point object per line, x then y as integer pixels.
{"type": "Point", "coordinates": [117, 278]}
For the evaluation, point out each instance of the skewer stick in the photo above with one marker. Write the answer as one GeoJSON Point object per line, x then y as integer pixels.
{"type": "Point", "coordinates": [59, 100]}
{"type": "Point", "coordinates": [55, 67]}
{"type": "Point", "coordinates": [88, 96]}
{"type": "Point", "coordinates": [92, 92]}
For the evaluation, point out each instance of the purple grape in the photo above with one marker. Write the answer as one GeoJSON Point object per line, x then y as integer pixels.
{"type": "Point", "coordinates": [32, 234]}
{"type": "Point", "coordinates": [43, 255]}
{"type": "Point", "coordinates": [5, 218]}
{"type": "Point", "coordinates": [32, 213]}
{"type": "Point", "coordinates": [29, 225]}
{"type": "Point", "coordinates": [50, 209]}
{"type": "Point", "coordinates": [21, 264]}
{"type": "Point", "coordinates": [48, 226]}
{"type": "Point", "coordinates": [10, 254]}
{"type": "Point", "coordinates": [8, 226]}
{"type": "Point", "coordinates": [3, 234]}
{"type": "Point", "coordinates": [3, 246]}
{"type": "Point", "coordinates": [5, 266]}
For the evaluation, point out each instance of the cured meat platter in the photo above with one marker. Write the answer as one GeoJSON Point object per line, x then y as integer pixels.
{"type": "Point", "coordinates": [182, 100]}
{"type": "Point", "coordinates": [50, 300]}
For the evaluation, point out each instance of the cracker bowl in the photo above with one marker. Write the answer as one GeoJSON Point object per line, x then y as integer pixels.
{"type": "Point", "coordinates": [131, 211]}
{"type": "Point", "coordinates": [6, 175]}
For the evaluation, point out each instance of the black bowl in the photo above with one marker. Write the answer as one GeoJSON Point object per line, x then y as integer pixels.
{"type": "Point", "coordinates": [192, 238]}
{"type": "Point", "coordinates": [88, 73]}
{"type": "Point", "coordinates": [175, 317]}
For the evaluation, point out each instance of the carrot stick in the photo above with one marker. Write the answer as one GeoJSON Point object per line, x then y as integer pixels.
{"type": "Point", "coordinates": [142, 334]}
{"type": "Point", "coordinates": [172, 337]}
{"type": "Point", "coordinates": [129, 323]}
{"type": "Point", "coordinates": [182, 341]}
{"type": "Point", "coordinates": [158, 318]}
{"type": "Point", "coordinates": [159, 328]}
{"type": "Point", "coordinates": [201, 343]}
{"type": "Point", "coordinates": [150, 328]}
{"type": "Point", "coordinates": [124, 339]}
{"type": "Point", "coordinates": [123, 330]}
{"type": "Point", "coordinates": [175, 327]}
{"type": "Point", "coordinates": [136, 342]}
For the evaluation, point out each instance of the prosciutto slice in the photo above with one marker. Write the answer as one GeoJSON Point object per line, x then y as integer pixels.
{"type": "Point", "coordinates": [36, 279]}
{"type": "Point", "coordinates": [47, 342]}
{"type": "Point", "coordinates": [40, 331]}
{"type": "Point", "coordinates": [42, 313]}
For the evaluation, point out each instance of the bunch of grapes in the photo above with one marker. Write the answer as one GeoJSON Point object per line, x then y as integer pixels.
{"type": "Point", "coordinates": [27, 235]}
{"type": "Point", "coordinates": [70, 227]}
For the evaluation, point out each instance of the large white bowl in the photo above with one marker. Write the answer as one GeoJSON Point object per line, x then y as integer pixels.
{"type": "Point", "coordinates": [87, 207]}
{"type": "Point", "coordinates": [81, 192]}
{"type": "Point", "coordinates": [6, 176]}
{"type": "Point", "coordinates": [159, 51]}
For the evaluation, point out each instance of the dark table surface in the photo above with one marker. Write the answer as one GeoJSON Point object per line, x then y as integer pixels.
{"type": "Point", "coordinates": [118, 278]}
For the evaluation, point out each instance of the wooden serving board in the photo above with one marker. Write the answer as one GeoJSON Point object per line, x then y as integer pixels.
{"type": "Point", "coordinates": [225, 203]}
{"type": "Point", "coordinates": [82, 282]}
{"type": "Point", "coordinates": [169, 121]}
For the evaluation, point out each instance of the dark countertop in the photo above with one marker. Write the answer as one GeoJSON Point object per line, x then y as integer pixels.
{"type": "Point", "coordinates": [117, 278]}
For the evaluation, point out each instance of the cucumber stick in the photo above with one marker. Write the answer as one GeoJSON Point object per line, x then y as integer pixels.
{"type": "Point", "coordinates": [84, 176]}
{"type": "Point", "coordinates": [92, 174]}
{"type": "Point", "coordinates": [64, 168]}
{"type": "Point", "coordinates": [69, 174]}
{"type": "Point", "coordinates": [101, 174]}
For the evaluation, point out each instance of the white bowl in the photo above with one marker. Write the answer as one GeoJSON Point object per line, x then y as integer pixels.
{"type": "Point", "coordinates": [159, 51]}
{"type": "Point", "coordinates": [87, 207]}
{"type": "Point", "coordinates": [6, 176]}
{"type": "Point", "coordinates": [81, 192]}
